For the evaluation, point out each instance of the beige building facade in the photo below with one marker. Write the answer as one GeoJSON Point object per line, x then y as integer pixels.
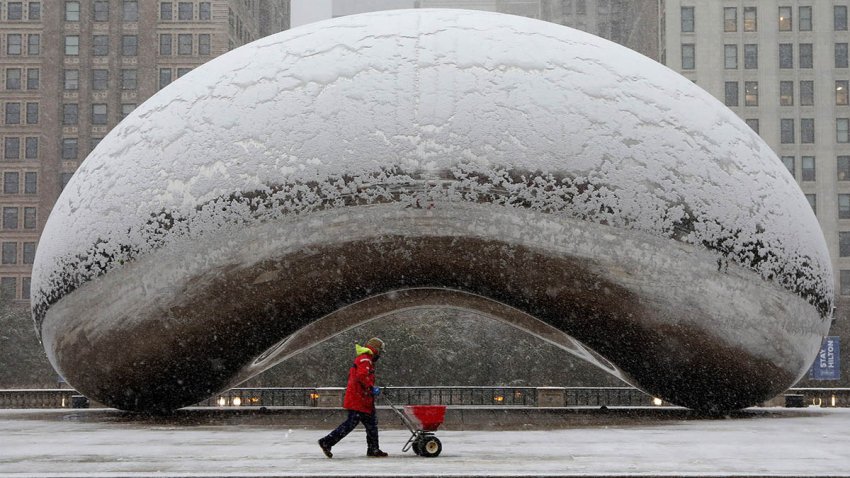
{"type": "Point", "coordinates": [71, 70]}
{"type": "Point", "coordinates": [782, 66]}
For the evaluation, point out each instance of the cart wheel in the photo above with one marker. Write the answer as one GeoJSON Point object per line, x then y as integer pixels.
{"type": "Point", "coordinates": [431, 447]}
{"type": "Point", "coordinates": [416, 448]}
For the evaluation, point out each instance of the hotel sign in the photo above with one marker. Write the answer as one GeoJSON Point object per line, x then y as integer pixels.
{"type": "Point", "coordinates": [827, 365]}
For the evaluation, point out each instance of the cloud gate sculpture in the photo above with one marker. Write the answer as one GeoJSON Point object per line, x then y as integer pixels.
{"type": "Point", "coordinates": [324, 176]}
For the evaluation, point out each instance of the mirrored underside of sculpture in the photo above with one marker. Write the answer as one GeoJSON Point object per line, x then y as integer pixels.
{"type": "Point", "coordinates": [331, 174]}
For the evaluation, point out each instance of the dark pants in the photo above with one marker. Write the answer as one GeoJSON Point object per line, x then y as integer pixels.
{"type": "Point", "coordinates": [370, 421]}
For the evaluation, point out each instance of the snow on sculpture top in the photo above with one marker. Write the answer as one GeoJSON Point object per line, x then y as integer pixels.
{"type": "Point", "coordinates": [499, 108]}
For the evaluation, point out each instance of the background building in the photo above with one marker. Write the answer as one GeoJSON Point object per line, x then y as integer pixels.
{"type": "Point", "coordinates": [782, 66]}
{"type": "Point", "coordinates": [71, 70]}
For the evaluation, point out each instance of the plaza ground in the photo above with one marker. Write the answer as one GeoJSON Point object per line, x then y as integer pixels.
{"type": "Point", "coordinates": [592, 442]}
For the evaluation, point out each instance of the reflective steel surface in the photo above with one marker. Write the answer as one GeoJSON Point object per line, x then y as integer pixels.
{"type": "Point", "coordinates": [332, 174]}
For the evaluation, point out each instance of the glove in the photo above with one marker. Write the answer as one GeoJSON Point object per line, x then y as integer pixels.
{"type": "Point", "coordinates": [376, 391]}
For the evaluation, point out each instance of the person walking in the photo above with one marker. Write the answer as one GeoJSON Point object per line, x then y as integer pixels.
{"type": "Point", "coordinates": [359, 400]}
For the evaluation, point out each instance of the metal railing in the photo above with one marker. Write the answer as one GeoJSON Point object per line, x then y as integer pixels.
{"type": "Point", "coordinates": [460, 396]}
{"type": "Point", "coordinates": [608, 396]}
{"type": "Point", "coordinates": [464, 396]}
{"type": "Point", "coordinates": [37, 398]}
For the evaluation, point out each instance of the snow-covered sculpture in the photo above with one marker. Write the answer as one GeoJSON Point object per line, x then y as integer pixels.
{"type": "Point", "coordinates": [326, 175]}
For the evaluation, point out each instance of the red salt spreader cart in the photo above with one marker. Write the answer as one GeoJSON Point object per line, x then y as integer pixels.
{"type": "Point", "coordinates": [422, 421]}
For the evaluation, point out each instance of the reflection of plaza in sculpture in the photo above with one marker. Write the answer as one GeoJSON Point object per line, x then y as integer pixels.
{"type": "Point", "coordinates": [328, 175]}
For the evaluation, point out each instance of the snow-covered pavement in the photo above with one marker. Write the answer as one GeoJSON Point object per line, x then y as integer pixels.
{"type": "Point", "coordinates": [777, 441]}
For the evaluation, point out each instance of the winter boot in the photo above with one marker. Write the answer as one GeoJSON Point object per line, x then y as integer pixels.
{"type": "Point", "coordinates": [376, 454]}
{"type": "Point", "coordinates": [326, 449]}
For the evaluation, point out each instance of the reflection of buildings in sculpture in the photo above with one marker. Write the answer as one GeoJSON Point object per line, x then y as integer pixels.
{"type": "Point", "coordinates": [71, 71]}
{"type": "Point", "coordinates": [694, 290]}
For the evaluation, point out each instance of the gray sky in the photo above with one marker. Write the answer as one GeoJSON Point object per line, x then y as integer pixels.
{"type": "Point", "coordinates": [308, 11]}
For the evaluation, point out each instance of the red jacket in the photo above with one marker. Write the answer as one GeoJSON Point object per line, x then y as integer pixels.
{"type": "Point", "coordinates": [361, 379]}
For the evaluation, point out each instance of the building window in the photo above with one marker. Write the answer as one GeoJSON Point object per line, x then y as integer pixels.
{"type": "Point", "coordinates": [13, 113]}
{"type": "Point", "coordinates": [807, 93]}
{"type": "Point", "coordinates": [70, 114]}
{"type": "Point", "coordinates": [751, 56]}
{"type": "Point", "coordinates": [688, 56]}
{"type": "Point", "coordinates": [130, 11]}
{"type": "Point", "coordinates": [687, 19]}
{"type": "Point", "coordinates": [841, 96]}
{"type": "Point", "coordinates": [751, 93]}
{"type": "Point", "coordinates": [129, 45]}
{"type": "Point", "coordinates": [14, 44]}
{"type": "Point", "coordinates": [13, 78]}
{"type": "Point", "coordinates": [72, 11]}
{"type": "Point", "coordinates": [33, 44]}
{"type": "Point", "coordinates": [750, 19]}
{"type": "Point", "coordinates": [844, 244]}
{"type": "Point", "coordinates": [204, 11]}
{"type": "Point", "coordinates": [841, 55]}
{"type": "Point", "coordinates": [64, 179]}
{"type": "Point", "coordinates": [15, 11]}
{"type": "Point", "coordinates": [842, 126]}
{"type": "Point", "coordinates": [30, 218]}
{"type": "Point", "coordinates": [34, 13]}
{"type": "Point", "coordinates": [100, 45]}
{"type": "Point", "coordinates": [806, 55]}
{"type": "Point", "coordinates": [31, 183]}
{"type": "Point", "coordinates": [95, 142]}
{"type": "Point", "coordinates": [69, 148]}
{"type": "Point", "coordinates": [844, 168]}
{"type": "Point", "coordinates": [730, 57]}
{"type": "Point", "coordinates": [730, 19]}
{"type": "Point", "coordinates": [731, 93]}
{"type": "Point", "coordinates": [101, 10]}
{"type": "Point", "coordinates": [33, 76]}
{"type": "Point", "coordinates": [164, 77]}
{"type": "Point", "coordinates": [10, 183]}
{"type": "Point", "coordinates": [788, 161]}
{"type": "Point", "coordinates": [185, 11]}
{"type": "Point", "coordinates": [182, 71]}
{"type": "Point", "coordinates": [128, 80]}
{"type": "Point", "coordinates": [184, 44]}
{"type": "Point", "coordinates": [785, 19]}
{"type": "Point", "coordinates": [31, 150]}
{"type": "Point", "coordinates": [165, 45]}
{"type": "Point", "coordinates": [753, 123]}
{"type": "Point", "coordinates": [72, 80]}
{"type": "Point", "coordinates": [786, 55]}
{"type": "Point", "coordinates": [32, 113]}
{"type": "Point", "coordinates": [12, 148]}
{"type": "Point", "coordinates": [805, 19]}
{"type": "Point", "coordinates": [8, 288]}
{"type": "Point", "coordinates": [126, 109]}
{"type": "Point", "coordinates": [72, 45]}
{"type": "Point", "coordinates": [10, 218]}
{"type": "Point", "coordinates": [29, 252]}
{"type": "Point", "coordinates": [10, 253]}
{"type": "Point", "coordinates": [98, 114]}
{"type": "Point", "coordinates": [813, 202]}
{"type": "Point", "coordinates": [100, 80]}
{"type": "Point", "coordinates": [786, 131]}
{"type": "Point", "coordinates": [807, 168]}
{"type": "Point", "coordinates": [166, 11]}
{"type": "Point", "coordinates": [204, 44]}
{"type": "Point", "coordinates": [844, 206]}
{"type": "Point", "coordinates": [839, 15]}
